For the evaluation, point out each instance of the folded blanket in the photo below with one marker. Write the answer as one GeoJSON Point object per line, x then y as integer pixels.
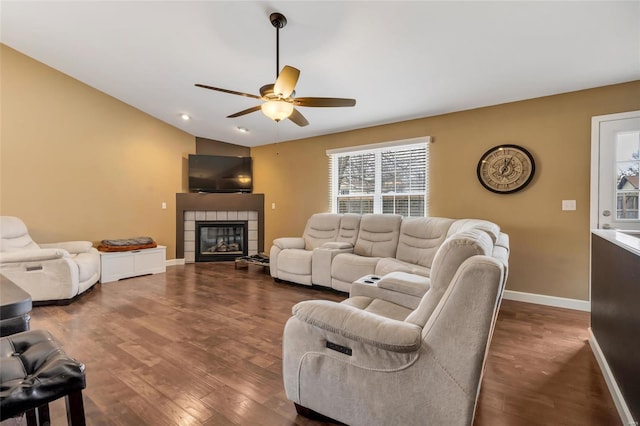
{"type": "Point", "coordinates": [127, 241]}
{"type": "Point", "coordinates": [127, 244]}
{"type": "Point", "coordinates": [126, 248]}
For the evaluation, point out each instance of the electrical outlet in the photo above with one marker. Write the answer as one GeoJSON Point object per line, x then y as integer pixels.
{"type": "Point", "coordinates": [273, 206]}
{"type": "Point", "coordinates": [164, 205]}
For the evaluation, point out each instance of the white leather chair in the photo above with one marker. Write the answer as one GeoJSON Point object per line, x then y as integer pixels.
{"type": "Point", "coordinates": [54, 272]}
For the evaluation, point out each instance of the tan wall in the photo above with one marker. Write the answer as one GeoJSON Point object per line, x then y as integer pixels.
{"type": "Point", "coordinates": [78, 164]}
{"type": "Point", "coordinates": [549, 247]}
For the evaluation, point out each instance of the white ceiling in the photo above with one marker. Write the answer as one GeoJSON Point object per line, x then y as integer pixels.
{"type": "Point", "coordinates": [399, 60]}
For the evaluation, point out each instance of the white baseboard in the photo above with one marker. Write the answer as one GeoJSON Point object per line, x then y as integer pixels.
{"type": "Point", "coordinates": [541, 299]}
{"type": "Point", "coordinates": [614, 390]}
{"type": "Point", "coordinates": [175, 262]}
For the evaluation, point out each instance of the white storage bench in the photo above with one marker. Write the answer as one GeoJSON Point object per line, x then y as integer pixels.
{"type": "Point", "coordinates": [125, 264]}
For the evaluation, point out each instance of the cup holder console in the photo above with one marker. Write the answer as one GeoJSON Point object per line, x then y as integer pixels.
{"type": "Point", "coordinates": [368, 279]}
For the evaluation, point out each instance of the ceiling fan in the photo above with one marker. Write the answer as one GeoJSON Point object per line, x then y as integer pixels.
{"type": "Point", "coordinates": [279, 98]}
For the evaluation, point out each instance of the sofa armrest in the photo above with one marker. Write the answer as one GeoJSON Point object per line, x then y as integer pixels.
{"type": "Point", "coordinates": [402, 282]}
{"type": "Point", "coordinates": [322, 258]}
{"type": "Point", "coordinates": [22, 256]}
{"type": "Point", "coordinates": [73, 247]}
{"type": "Point", "coordinates": [289, 243]}
{"type": "Point", "coordinates": [337, 245]}
{"type": "Point", "coordinates": [360, 326]}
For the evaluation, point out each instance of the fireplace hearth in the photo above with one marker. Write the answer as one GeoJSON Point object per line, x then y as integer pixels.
{"type": "Point", "coordinates": [218, 241]}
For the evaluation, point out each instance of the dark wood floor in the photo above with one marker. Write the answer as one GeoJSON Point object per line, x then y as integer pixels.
{"type": "Point", "coordinates": [201, 344]}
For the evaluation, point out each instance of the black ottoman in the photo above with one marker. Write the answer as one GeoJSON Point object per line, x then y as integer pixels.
{"type": "Point", "coordinates": [34, 370]}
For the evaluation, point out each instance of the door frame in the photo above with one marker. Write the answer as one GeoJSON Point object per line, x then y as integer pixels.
{"type": "Point", "coordinates": [595, 160]}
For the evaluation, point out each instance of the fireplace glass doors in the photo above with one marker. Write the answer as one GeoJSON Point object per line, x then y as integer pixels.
{"type": "Point", "coordinates": [220, 241]}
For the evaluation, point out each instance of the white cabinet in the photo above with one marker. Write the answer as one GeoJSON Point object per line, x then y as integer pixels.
{"type": "Point", "coordinates": [126, 264]}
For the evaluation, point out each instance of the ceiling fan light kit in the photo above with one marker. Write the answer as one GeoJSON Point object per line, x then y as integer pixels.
{"type": "Point", "coordinates": [279, 98]}
{"type": "Point", "coordinates": [277, 110]}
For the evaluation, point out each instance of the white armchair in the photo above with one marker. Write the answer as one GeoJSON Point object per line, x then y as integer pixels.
{"type": "Point", "coordinates": [54, 272]}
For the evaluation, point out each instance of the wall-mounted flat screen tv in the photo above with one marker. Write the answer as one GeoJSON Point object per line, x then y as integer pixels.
{"type": "Point", "coordinates": [217, 173]}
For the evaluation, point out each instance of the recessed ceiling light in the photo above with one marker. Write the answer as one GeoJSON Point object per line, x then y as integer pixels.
{"type": "Point", "coordinates": [185, 117]}
{"type": "Point", "coordinates": [242, 129]}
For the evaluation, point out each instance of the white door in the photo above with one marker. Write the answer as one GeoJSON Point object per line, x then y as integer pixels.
{"type": "Point", "coordinates": [615, 188]}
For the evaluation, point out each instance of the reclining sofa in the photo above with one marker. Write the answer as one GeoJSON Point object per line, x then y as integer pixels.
{"type": "Point", "coordinates": [337, 249]}
{"type": "Point", "coordinates": [409, 345]}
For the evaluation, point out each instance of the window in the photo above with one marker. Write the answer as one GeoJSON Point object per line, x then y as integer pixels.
{"type": "Point", "coordinates": [382, 178]}
{"type": "Point", "coordinates": [628, 171]}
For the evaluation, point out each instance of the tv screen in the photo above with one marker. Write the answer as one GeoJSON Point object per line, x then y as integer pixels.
{"type": "Point", "coordinates": [217, 173]}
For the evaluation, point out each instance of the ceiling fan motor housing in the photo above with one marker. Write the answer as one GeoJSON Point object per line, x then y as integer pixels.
{"type": "Point", "coordinates": [278, 20]}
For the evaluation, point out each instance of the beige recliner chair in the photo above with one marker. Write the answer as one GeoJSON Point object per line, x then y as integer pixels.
{"type": "Point", "coordinates": [55, 272]}
{"type": "Point", "coordinates": [403, 351]}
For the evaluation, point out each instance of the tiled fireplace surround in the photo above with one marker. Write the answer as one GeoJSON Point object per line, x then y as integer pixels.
{"type": "Point", "coordinates": [194, 207]}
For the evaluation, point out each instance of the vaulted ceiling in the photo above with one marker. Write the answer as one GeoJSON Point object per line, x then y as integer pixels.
{"type": "Point", "coordinates": [399, 60]}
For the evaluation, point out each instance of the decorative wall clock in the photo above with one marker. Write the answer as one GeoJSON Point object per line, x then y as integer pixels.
{"type": "Point", "coordinates": [506, 168]}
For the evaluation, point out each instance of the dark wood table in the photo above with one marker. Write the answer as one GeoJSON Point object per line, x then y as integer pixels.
{"type": "Point", "coordinates": [15, 305]}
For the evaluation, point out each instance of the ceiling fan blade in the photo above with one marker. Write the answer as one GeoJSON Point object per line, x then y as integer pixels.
{"type": "Point", "coordinates": [324, 102]}
{"type": "Point", "coordinates": [286, 81]}
{"type": "Point", "coordinates": [233, 92]}
{"type": "Point", "coordinates": [298, 118]}
{"type": "Point", "coordinates": [246, 111]}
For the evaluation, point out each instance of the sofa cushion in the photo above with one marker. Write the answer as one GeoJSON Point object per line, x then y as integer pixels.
{"type": "Point", "coordinates": [349, 226]}
{"type": "Point", "coordinates": [378, 307]}
{"type": "Point", "coordinates": [411, 284]}
{"type": "Point", "coordinates": [15, 235]}
{"type": "Point", "coordinates": [321, 228]}
{"type": "Point", "coordinates": [88, 265]}
{"type": "Point", "coordinates": [295, 261]}
{"type": "Point", "coordinates": [378, 235]}
{"type": "Point", "coordinates": [461, 225]}
{"type": "Point", "coordinates": [349, 267]}
{"type": "Point", "coordinates": [420, 239]}
{"type": "Point", "coordinates": [388, 265]}
{"type": "Point", "coordinates": [453, 252]}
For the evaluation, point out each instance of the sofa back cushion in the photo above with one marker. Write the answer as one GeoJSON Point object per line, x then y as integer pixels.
{"type": "Point", "coordinates": [420, 238]}
{"type": "Point", "coordinates": [14, 235]}
{"type": "Point", "coordinates": [490, 228]}
{"type": "Point", "coordinates": [451, 254]}
{"type": "Point", "coordinates": [378, 235]}
{"type": "Point", "coordinates": [349, 225]}
{"type": "Point", "coordinates": [321, 228]}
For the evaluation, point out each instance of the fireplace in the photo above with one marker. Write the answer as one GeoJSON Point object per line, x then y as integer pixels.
{"type": "Point", "coordinates": [218, 241]}
{"type": "Point", "coordinates": [196, 207]}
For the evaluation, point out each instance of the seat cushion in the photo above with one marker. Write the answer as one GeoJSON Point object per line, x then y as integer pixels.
{"type": "Point", "coordinates": [295, 261]}
{"type": "Point", "coordinates": [388, 265]}
{"type": "Point", "coordinates": [349, 267]}
{"type": "Point", "coordinates": [378, 307]}
{"type": "Point", "coordinates": [34, 370]}
{"type": "Point", "coordinates": [88, 265]}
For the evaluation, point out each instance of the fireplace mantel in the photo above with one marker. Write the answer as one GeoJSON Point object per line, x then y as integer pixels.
{"type": "Point", "coordinates": [217, 202]}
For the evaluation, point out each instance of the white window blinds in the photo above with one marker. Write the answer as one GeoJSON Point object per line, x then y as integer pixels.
{"type": "Point", "coordinates": [383, 178]}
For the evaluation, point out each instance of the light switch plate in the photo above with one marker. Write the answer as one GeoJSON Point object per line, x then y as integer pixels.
{"type": "Point", "coordinates": [568, 204]}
